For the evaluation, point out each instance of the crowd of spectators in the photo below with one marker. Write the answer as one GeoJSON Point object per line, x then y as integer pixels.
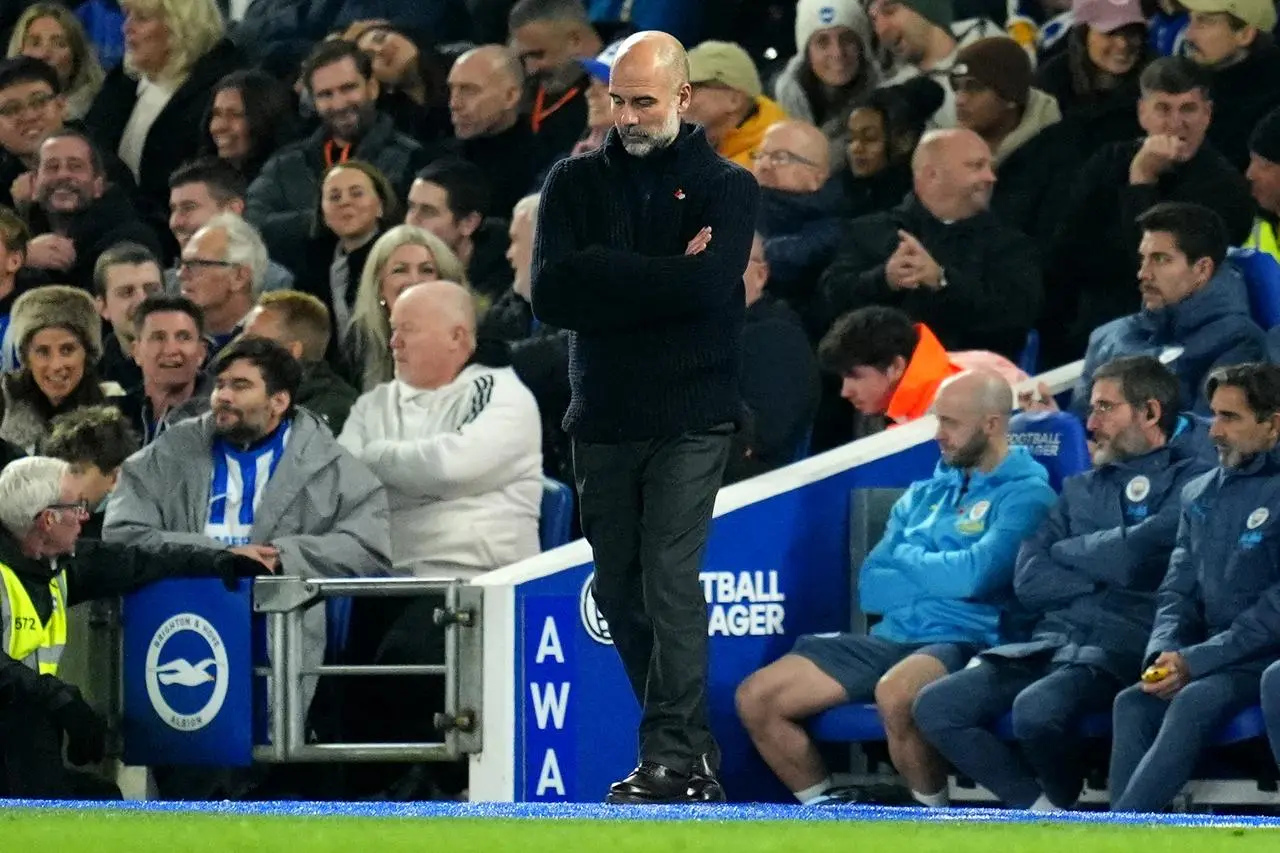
{"type": "Point", "coordinates": [258, 227]}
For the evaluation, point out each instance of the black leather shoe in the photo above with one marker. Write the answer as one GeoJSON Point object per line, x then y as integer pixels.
{"type": "Point", "coordinates": [650, 783]}
{"type": "Point", "coordinates": [704, 787]}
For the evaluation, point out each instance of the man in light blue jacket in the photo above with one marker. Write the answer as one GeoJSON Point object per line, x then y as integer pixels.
{"type": "Point", "coordinates": [937, 578]}
{"type": "Point", "coordinates": [1089, 577]}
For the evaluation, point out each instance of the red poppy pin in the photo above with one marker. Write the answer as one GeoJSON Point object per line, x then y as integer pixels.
{"type": "Point", "coordinates": [680, 195]}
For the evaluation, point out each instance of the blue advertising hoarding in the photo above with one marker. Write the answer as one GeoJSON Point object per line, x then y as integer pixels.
{"type": "Point", "coordinates": [774, 569]}
{"type": "Point", "coordinates": [188, 674]}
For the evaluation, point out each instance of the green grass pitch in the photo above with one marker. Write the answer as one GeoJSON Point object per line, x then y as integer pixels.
{"type": "Point", "coordinates": [141, 832]}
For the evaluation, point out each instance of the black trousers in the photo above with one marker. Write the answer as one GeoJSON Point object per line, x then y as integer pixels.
{"type": "Point", "coordinates": [31, 761]}
{"type": "Point", "coordinates": [646, 509]}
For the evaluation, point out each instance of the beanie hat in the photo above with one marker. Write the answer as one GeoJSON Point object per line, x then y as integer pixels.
{"type": "Point", "coordinates": [937, 12]}
{"type": "Point", "coordinates": [814, 15]}
{"type": "Point", "coordinates": [998, 63]}
{"type": "Point", "coordinates": [727, 64]}
{"type": "Point", "coordinates": [1265, 139]}
{"type": "Point", "coordinates": [57, 305]}
{"type": "Point", "coordinates": [920, 97]}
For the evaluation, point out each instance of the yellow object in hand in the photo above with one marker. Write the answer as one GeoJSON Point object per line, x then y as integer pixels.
{"type": "Point", "coordinates": [1155, 673]}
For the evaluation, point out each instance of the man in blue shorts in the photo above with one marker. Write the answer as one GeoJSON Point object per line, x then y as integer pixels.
{"type": "Point", "coordinates": [937, 578]}
{"type": "Point", "coordinates": [1088, 578]}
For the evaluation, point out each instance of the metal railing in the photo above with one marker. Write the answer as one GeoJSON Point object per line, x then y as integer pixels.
{"type": "Point", "coordinates": [285, 600]}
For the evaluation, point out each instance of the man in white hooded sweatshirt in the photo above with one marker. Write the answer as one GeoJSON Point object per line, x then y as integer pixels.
{"type": "Point", "coordinates": [455, 438]}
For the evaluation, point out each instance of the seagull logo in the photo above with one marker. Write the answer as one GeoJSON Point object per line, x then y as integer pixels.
{"type": "Point", "coordinates": [211, 676]}
{"type": "Point", "coordinates": [181, 672]}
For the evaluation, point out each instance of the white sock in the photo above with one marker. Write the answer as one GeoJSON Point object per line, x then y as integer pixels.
{"type": "Point", "coordinates": [1044, 804]}
{"type": "Point", "coordinates": [813, 792]}
{"type": "Point", "coordinates": [939, 800]}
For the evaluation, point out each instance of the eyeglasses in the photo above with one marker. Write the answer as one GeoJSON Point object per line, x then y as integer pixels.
{"type": "Point", "coordinates": [194, 264]}
{"type": "Point", "coordinates": [36, 103]}
{"type": "Point", "coordinates": [781, 158]}
{"type": "Point", "coordinates": [1104, 407]}
{"type": "Point", "coordinates": [78, 510]}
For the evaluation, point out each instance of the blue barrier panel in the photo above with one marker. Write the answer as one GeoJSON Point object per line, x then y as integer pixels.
{"type": "Point", "coordinates": [775, 568]}
{"type": "Point", "coordinates": [188, 674]}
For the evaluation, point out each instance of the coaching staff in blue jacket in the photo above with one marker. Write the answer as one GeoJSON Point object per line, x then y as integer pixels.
{"type": "Point", "coordinates": [1217, 624]}
{"type": "Point", "coordinates": [1089, 576]}
{"type": "Point", "coordinates": [640, 251]}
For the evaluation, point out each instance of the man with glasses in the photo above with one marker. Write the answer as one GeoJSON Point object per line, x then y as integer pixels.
{"type": "Point", "coordinates": [728, 100]}
{"type": "Point", "coordinates": [1089, 575]}
{"type": "Point", "coordinates": [199, 191]}
{"type": "Point", "coordinates": [222, 269]}
{"type": "Point", "coordinates": [32, 108]}
{"type": "Point", "coordinates": [1193, 303]}
{"type": "Point", "coordinates": [802, 212]}
{"type": "Point", "coordinates": [46, 568]}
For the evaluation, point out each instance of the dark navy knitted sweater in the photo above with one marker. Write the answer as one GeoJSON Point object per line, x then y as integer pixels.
{"type": "Point", "coordinates": [656, 335]}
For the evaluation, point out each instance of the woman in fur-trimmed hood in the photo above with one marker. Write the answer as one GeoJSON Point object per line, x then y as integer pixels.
{"type": "Point", "coordinates": [58, 335]}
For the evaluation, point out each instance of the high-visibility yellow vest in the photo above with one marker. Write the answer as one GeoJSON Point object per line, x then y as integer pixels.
{"type": "Point", "coordinates": [35, 644]}
{"type": "Point", "coordinates": [1263, 238]}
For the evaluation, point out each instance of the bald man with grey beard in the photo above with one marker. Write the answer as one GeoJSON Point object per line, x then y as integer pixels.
{"type": "Point", "coordinates": [639, 252]}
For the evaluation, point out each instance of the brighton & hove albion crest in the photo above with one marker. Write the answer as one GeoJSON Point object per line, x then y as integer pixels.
{"type": "Point", "coordinates": [186, 672]}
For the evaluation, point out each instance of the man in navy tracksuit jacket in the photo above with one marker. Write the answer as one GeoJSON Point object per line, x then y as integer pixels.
{"type": "Point", "coordinates": [1217, 624]}
{"type": "Point", "coordinates": [1089, 575]}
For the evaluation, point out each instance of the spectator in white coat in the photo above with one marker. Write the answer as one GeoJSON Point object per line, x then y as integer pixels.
{"type": "Point", "coordinates": [455, 437]}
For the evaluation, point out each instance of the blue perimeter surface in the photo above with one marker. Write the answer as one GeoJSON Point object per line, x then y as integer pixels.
{"type": "Point", "coordinates": [588, 811]}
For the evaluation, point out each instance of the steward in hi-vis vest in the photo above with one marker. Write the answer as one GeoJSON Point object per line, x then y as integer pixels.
{"type": "Point", "coordinates": [43, 571]}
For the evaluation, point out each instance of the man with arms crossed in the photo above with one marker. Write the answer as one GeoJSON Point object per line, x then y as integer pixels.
{"type": "Point", "coordinates": [640, 250]}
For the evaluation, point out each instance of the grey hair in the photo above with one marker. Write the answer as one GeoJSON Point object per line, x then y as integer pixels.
{"type": "Point", "coordinates": [244, 246]}
{"type": "Point", "coordinates": [529, 205]}
{"type": "Point", "coordinates": [28, 486]}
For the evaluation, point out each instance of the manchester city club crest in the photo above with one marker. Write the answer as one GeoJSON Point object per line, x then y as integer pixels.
{"type": "Point", "coordinates": [1257, 518]}
{"type": "Point", "coordinates": [1138, 489]}
{"type": "Point", "coordinates": [979, 510]}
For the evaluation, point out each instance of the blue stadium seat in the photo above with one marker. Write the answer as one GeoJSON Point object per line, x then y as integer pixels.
{"type": "Point", "coordinates": [557, 514]}
{"type": "Point", "coordinates": [852, 723]}
{"type": "Point", "coordinates": [860, 723]}
{"type": "Point", "coordinates": [1261, 274]}
{"type": "Point", "coordinates": [1091, 727]}
{"type": "Point", "coordinates": [1246, 725]}
{"type": "Point", "coordinates": [1029, 358]}
{"type": "Point", "coordinates": [1055, 439]}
